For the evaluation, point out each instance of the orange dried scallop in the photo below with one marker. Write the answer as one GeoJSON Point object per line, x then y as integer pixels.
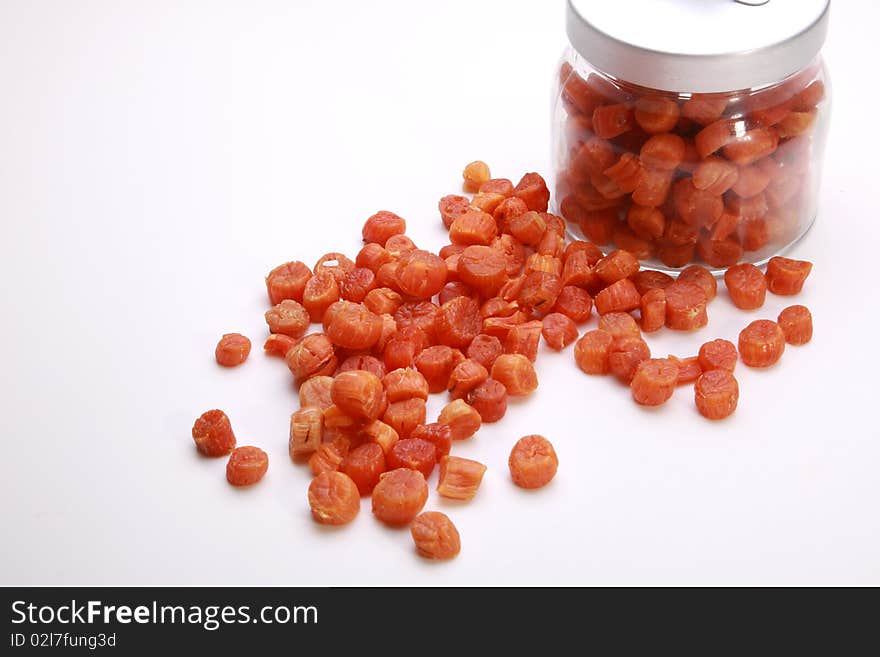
{"type": "Point", "coordinates": [532, 462]}
{"type": "Point", "coordinates": [619, 325]}
{"type": "Point", "coordinates": [508, 209]}
{"type": "Point", "coordinates": [691, 158]}
{"type": "Point", "coordinates": [289, 318]}
{"type": "Point", "coordinates": [575, 303]}
{"type": "Point", "coordinates": [352, 325]}
{"type": "Point", "coordinates": [497, 186]}
{"type": "Point", "coordinates": [656, 115]}
{"type": "Point", "coordinates": [718, 355]}
{"type": "Point", "coordinates": [246, 466]}
{"type": "Point", "coordinates": [646, 222]}
{"type": "Point", "coordinates": [578, 271]}
{"type": "Point", "coordinates": [726, 226]}
{"type": "Point", "coordinates": [278, 345]}
{"type": "Point", "coordinates": [685, 306]}
{"type": "Point", "coordinates": [335, 264]}
{"type": "Point", "coordinates": [594, 156]}
{"type": "Point", "coordinates": [558, 331]}
{"type": "Point", "coordinates": [514, 254]}
{"type": "Point", "coordinates": [383, 301]}
{"type": "Point", "coordinates": [399, 352]}
{"type": "Point", "coordinates": [485, 349]}
{"type": "Point", "coordinates": [436, 364]}
{"type": "Point", "coordinates": [439, 435]}
{"type": "Point", "coordinates": [714, 137]}
{"type": "Point", "coordinates": [458, 322]}
{"type": "Point", "coordinates": [316, 392]}
{"type": "Point", "coordinates": [696, 207]}
{"type": "Point", "coordinates": [487, 201]}
{"type": "Point", "coordinates": [489, 399]}
{"type": "Point", "coordinates": [435, 536]}
{"type": "Point", "coordinates": [577, 92]}
{"type": "Point", "coordinates": [321, 292]}
{"type": "Point", "coordinates": [532, 189]}
{"type": "Point", "coordinates": [466, 376]}
{"type": "Point", "coordinates": [679, 233]}
{"type": "Point", "coordinates": [750, 147]}
{"type": "Point", "coordinates": [621, 296]}
{"type": "Point", "coordinates": [452, 290]}
{"type": "Point", "coordinates": [716, 394]}
{"type": "Point", "coordinates": [592, 350]}
{"type": "Point", "coordinates": [767, 114]}
{"type": "Point", "coordinates": [382, 225]}
{"type": "Point", "coordinates": [786, 276]}
{"type": "Point", "coordinates": [422, 274]}
{"type": "Point", "coordinates": [475, 174]}
{"type": "Point", "coordinates": [527, 228]}
{"type": "Point", "coordinates": [704, 108]}
{"type": "Point", "coordinates": [419, 315]}
{"type": "Point", "coordinates": [372, 256]}
{"type": "Point", "coordinates": [715, 175]}
{"type": "Point", "coordinates": [653, 187]}
{"type": "Point", "coordinates": [516, 373]}
{"type": "Point", "coordinates": [616, 265]}
{"type": "Point", "coordinates": [414, 453]}
{"type": "Point", "coordinates": [699, 275]}
{"type": "Point", "coordinates": [621, 178]}
{"type": "Point", "coordinates": [363, 362]}
{"type": "Point", "coordinates": [358, 394]}
{"type": "Point", "coordinates": [611, 121]}
{"type": "Point", "coordinates": [306, 431]}
{"type": "Point", "coordinates": [451, 207]}
{"type": "Point", "coordinates": [649, 279]}
{"type": "Point", "coordinates": [329, 456]}
{"type": "Point", "coordinates": [483, 268]}
{"type": "Point", "coordinates": [754, 207]}
{"type": "Point", "coordinates": [287, 281]}
{"type": "Point", "coordinates": [334, 498]}
{"type": "Point", "coordinates": [364, 465]}
{"type": "Point", "coordinates": [653, 310]}
{"type": "Point", "coordinates": [625, 356]}
{"type": "Point", "coordinates": [761, 343]}
{"type": "Point", "coordinates": [459, 477]}
{"type": "Point", "coordinates": [356, 284]}
{"type": "Point", "coordinates": [654, 381]}
{"type": "Point", "coordinates": [399, 496]}
{"type": "Point", "coordinates": [212, 433]}
{"type": "Point", "coordinates": [461, 418]}
{"type": "Point", "coordinates": [796, 323]}
{"type": "Point", "coordinates": [746, 286]}
{"type": "Point", "coordinates": [405, 415]}
{"type": "Point", "coordinates": [232, 349]}
{"type": "Point", "coordinates": [720, 253]}
{"type": "Point", "coordinates": [689, 369]}
{"type": "Point", "coordinates": [539, 291]}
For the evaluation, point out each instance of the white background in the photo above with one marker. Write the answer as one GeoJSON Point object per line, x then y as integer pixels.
{"type": "Point", "coordinates": [158, 158]}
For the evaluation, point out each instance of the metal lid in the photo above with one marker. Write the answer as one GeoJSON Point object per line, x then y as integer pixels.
{"type": "Point", "coordinates": [699, 46]}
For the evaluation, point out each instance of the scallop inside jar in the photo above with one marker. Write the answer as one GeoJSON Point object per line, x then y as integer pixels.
{"type": "Point", "coordinates": [698, 143]}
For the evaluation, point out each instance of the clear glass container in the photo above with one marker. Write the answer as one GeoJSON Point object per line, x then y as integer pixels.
{"type": "Point", "coordinates": [684, 154]}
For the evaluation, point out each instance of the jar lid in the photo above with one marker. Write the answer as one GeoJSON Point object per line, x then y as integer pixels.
{"type": "Point", "coordinates": [698, 46]}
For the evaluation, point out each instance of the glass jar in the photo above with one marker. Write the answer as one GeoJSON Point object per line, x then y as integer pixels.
{"type": "Point", "coordinates": [691, 130]}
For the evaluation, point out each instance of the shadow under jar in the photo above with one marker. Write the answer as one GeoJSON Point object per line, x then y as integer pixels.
{"type": "Point", "coordinates": [691, 130]}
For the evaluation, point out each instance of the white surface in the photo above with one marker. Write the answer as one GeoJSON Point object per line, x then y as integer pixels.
{"type": "Point", "coordinates": [698, 45]}
{"type": "Point", "coordinates": [158, 158]}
